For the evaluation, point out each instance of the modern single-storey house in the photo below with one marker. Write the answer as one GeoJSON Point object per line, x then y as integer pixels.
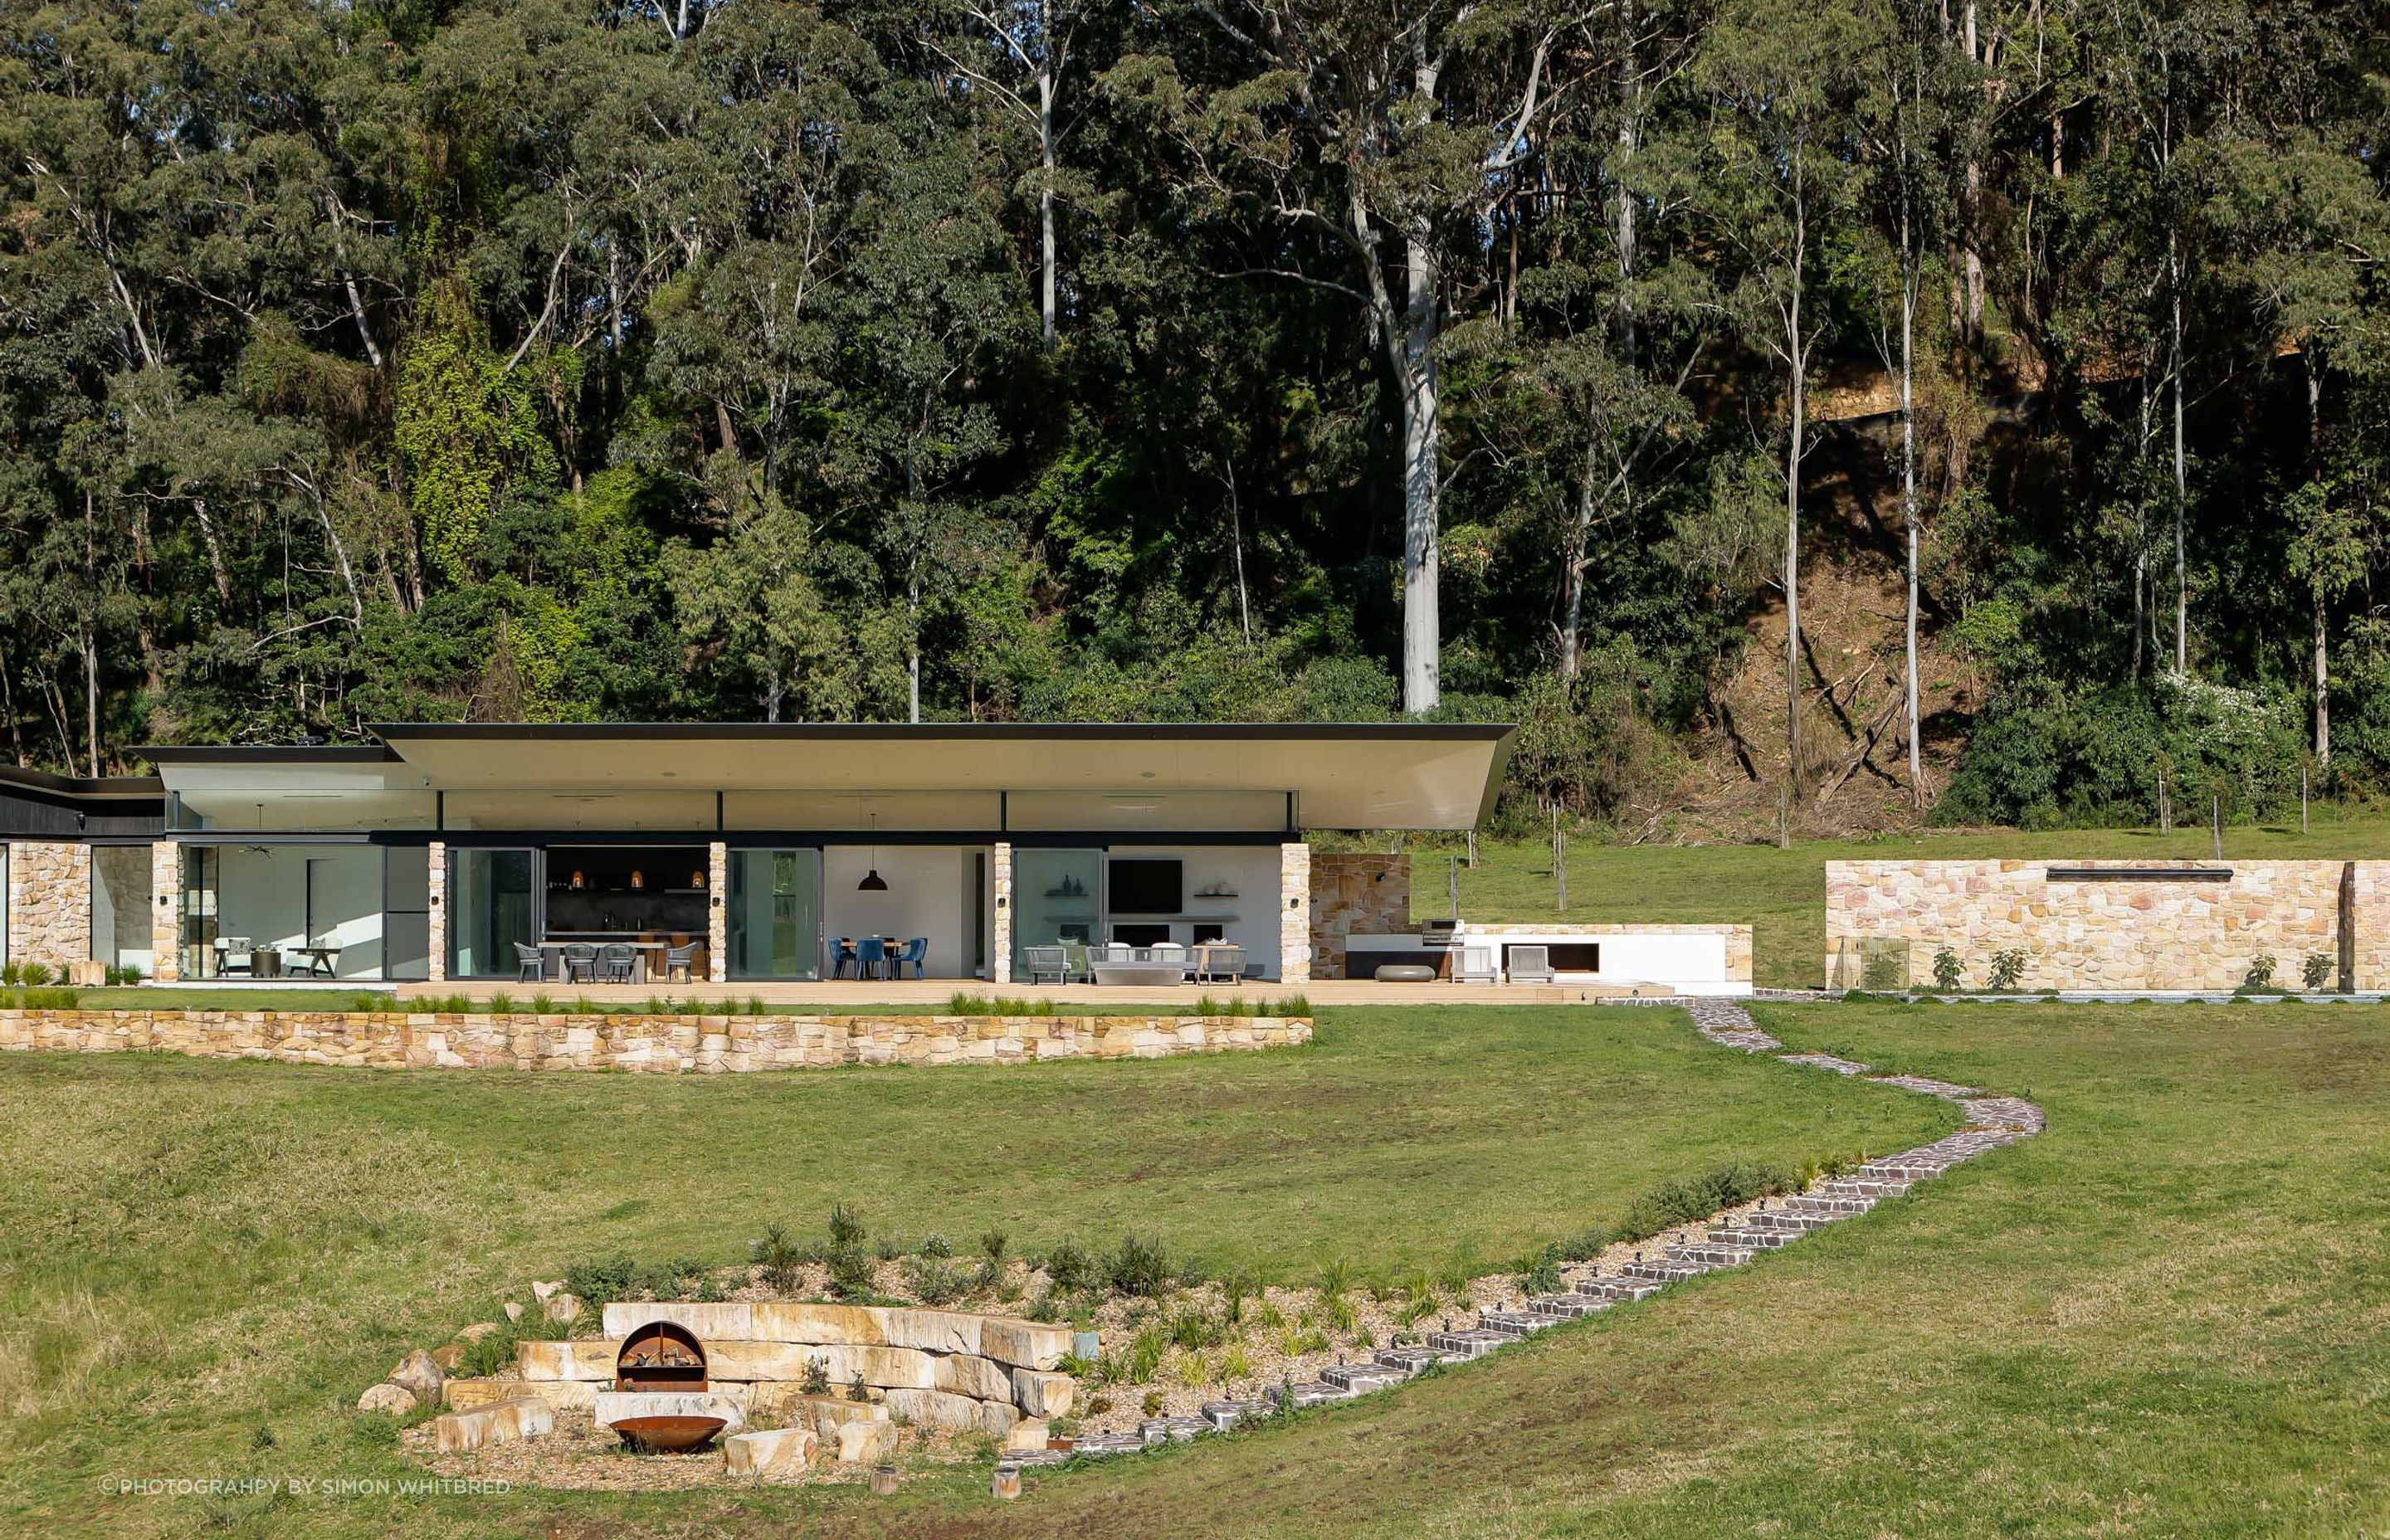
{"type": "Point", "coordinates": [440, 849]}
{"type": "Point", "coordinates": [721, 852]}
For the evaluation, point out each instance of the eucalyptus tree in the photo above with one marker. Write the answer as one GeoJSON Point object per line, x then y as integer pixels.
{"type": "Point", "coordinates": [1778, 180]}
{"type": "Point", "coordinates": [1346, 132]}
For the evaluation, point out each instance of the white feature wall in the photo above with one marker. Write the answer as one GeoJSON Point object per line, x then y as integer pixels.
{"type": "Point", "coordinates": [262, 894]}
{"type": "Point", "coordinates": [926, 887]}
{"type": "Point", "coordinates": [1248, 871]}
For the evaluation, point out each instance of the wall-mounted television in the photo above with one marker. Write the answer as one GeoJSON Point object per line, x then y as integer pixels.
{"type": "Point", "coordinates": [1143, 886]}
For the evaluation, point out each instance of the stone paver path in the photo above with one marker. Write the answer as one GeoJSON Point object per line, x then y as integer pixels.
{"type": "Point", "coordinates": [1992, 1123]}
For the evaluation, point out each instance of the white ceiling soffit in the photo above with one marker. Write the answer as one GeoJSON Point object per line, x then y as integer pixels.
{"type": "Point", "coordinates": [1437, 776]}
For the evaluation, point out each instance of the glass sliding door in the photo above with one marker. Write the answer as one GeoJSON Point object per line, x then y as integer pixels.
{"type": "Point", "coordinates": [406, 912]}
{"type": "Point", "coordinates": [775, 919]}
{"type": "Point", "coordinates": [493, 904]}
{"type": "Point", "coordinates": [1057, 896]}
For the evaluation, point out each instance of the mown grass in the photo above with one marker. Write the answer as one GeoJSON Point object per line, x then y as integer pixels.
{"type": "Point", "coordinates": [2164, 1317]}
{"type": "Point", "coordinates": [1782, 893]}
{"type": "Point", "coordinates": [194, 1251]}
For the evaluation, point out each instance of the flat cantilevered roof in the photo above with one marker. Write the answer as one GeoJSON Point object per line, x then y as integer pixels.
{"type": "Point", "coordinates": [1343, 775]}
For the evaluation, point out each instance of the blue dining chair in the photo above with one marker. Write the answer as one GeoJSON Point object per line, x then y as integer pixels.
{"type": "Point", "coordinates": [841, 952]}
{"type": "Point", "coordinates": [871, 957]}
{"type": "Point", "coordinates": [915, 953]}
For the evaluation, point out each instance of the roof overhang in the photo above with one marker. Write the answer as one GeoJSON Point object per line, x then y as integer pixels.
{"type": "Point", "coordinates": [1343, 775]}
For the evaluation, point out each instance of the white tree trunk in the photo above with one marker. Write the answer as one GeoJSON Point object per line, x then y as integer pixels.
{"type": "Point", "coordinates": [1909, 494]}
{"type": "Point", "coordinates": [1422, 631]}
{"type": "Point", "coordinates": [2181, 570]}
{"type": "Point", "coordinates": [1792, 516]}
{"type": "Point", "coordinates": [1046, 245]}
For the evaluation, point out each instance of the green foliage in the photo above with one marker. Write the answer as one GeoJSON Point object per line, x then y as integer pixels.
{"type": "Point", "coordinates": [465, 427]}
{"type": "Point", "coordinates": [2315, 971]}
{"type": "Point", "coordinates": [1073, 1266]}
{"type": "Point", "coordinates": [1681, 1202]}
{"type": "Point", "coordinates": [602, 1280]}
{"type": "Point", "coordinates": [815, 1381]}
{"type": "Point", "coordinates": [852, 1272]}
{"type": "Point", "coordinates": [2008, 968]}
{"type": "Point", "coordinates": [1138, 1267]}
{"type": "Point", "coordinates": [1947, 973]}
{"type": "Point", "coordinates": [2260, 975]}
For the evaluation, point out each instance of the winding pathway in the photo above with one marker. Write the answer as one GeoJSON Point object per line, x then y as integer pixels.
{"type": "Point", "coordinates": [1992, 1122]}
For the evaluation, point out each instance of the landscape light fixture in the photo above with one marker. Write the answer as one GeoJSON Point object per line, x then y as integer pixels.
{"type": "Point", "coordinates": [872, 881]}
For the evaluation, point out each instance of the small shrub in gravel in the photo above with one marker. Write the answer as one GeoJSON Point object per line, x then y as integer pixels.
{"type": "Point", "coordinates": [1139, 1268]}
{"type": "Point", "coordinates": [1072, 1265]}
{"type": "Point", "coordinates": [599, 1281]}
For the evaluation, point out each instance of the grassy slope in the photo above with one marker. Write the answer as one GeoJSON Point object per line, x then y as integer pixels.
{"type": "Point", "coordinates": [2161, 1317]}
{"type": "Point", "coordinates": [1782, 893]}
{"type": "Point", "coordinates": [190, 1248]}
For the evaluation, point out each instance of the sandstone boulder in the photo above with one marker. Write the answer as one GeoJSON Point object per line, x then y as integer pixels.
{"type": "Point", "coordinates": [1027, 1435]}
{"type": "Point", "coordinates": [514, 1311]}
{"type": "Point", "coordinates": [996, 1418]}
{"type": "Point", "coordinates": [768, 1453]}
{"type": "Point", "coordinates": [1041, 1395]}
{"type": "Point", "coordinates": [540, 1291]}
{"type": "Point", "coordinates": [781, 1403]}
{"type": "Point", "coordinates": [1024, 1344]}
{"type": "Point", "coordinates": [464, 1395]}
{"type": "Point", "coordinates": [586, 1358]}
{"type": "Point", "coordinates": [418, 1375]}
{"type": "Point", "coordinates": [500, 1422]}
{"type": "Point", "coordinates": [728, 1319]}
{"type": "Point", "coordinates": [942, 1410]}
{"type": "Point", "coordinates": [397, 1400]}
{"type": "Point", "coordinates": [866, 1443]}
{"type": "Point", "coordinates": [931, 1330]}
{"type": "Point", "coordinates": [980, 1378]}
{"type": "Point", "coordinates": [564, 1309]}
{"type": "Point", "coordinates": [821, 1325]}
{"type": "Point", "coordinates": [478, 1330]}
{"type": "Point", "coordinates": [448, 1356]}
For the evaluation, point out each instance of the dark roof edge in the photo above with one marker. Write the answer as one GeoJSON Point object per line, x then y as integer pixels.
{"type": "Point", "coordinates": [82, 786]}
{"type": "Point", "coordinates": [252, 753]}
{"type": "Point", "coordinates": [1453, 732]}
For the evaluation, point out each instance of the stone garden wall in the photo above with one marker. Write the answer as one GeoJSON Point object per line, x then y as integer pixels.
{"type": "Point", "coordinates": [938, 1369]}
{"type": "Point", "coordinates": [668, 1044]}
{"type": "Point", "coordinates": [2146, 930]}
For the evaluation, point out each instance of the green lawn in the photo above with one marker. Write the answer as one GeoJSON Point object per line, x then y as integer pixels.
{"type": "Point", "coordinates": [193, 1250]}
{"type": "Point", "coordinates": [2164, 1317]}
{"type": "Point", "coordinates": [1782, 893]}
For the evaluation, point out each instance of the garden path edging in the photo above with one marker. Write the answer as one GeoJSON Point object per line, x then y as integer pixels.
{"type": "Point", "coordinates": [1991, 1122]}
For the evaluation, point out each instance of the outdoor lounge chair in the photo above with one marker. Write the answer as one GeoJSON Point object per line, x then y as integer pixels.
{"type": "Point", "coordinates": [1219, 965]}
{"type": "Point", "coordinates": [530, 964]}
{"type": "Point", "coordinates": [1043, 963]}
{"type": "Point", "coordinates": [1531, 965]}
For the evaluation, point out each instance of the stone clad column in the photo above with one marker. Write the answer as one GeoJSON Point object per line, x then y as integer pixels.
{"type": "Point", "coordinates": [165, 911]}
{"type": "Point", "coordinates": [999, 871]}
{"type": "Point", "coordinates": [717, 913]}
{"type": "Point", "coordinates": [49, 904]}
{"type": "Point", "coordinates": [435, 877]}
{"type": "Point", "coordinates": [1294, 913]}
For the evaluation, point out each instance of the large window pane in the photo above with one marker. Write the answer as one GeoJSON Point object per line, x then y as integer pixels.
{"type": "Point", "coordinates": [491, 909]}
{"type": "Point", "coordinates": [775, 918]}
{"type": "Point", "coordinates": [1057, 896]}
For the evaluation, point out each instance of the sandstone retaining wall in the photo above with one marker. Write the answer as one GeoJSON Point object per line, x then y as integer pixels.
{"type": "Point", "coordinates": [2147, 931]}
{"type": "Point", "coordinates": [50, 903]}
{"type": "Point", "coordinates": [668, 1044]}
{"type": "Point", "coordinates": [1355, 894]}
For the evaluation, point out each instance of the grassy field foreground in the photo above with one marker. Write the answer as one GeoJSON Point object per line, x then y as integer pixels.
{"type": "Point", "coordinates": [2164, 1317]}
{"type": "Point", "coordinates": [202, 1264]}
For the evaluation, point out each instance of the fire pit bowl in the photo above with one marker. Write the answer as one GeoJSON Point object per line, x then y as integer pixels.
{"type": "Point", "coordinates": [669, 1435]}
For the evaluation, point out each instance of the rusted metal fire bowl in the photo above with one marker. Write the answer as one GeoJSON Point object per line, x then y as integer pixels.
{"type": "Point", "coordinates": [669, 1435]}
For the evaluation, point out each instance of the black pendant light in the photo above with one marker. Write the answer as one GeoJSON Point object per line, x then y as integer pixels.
{"type": "Point", "coordinates": [872, 881]}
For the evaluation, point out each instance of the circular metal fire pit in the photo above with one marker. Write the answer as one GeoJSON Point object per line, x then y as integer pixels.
{"type": "Point", "coordinates": [669, 1435]}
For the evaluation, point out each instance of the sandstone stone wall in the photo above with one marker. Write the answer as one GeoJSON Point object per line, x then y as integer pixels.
{"type": "Point", "coordinates": [1354, 892]}
{"type": "Point", "coordinates": [50, 903]}
{"type": "Point", "coordinates": [668, 1044]}
{"type": "Point", "coordinates": [1294, 910]}
{"type": "Point", "coordinates": [2105, 933]}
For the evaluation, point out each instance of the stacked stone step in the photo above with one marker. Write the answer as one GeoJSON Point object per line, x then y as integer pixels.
{"type": "Point", "coordinates": [1567, 1306]}
{"type": "Point", "coordinates": [1171, 1429]}
{"type": "Point", "coordinates": [1223, 1415]}
{"type": "Point", "coordinates": [1618, 1289]}
{"type": "Point", "coordinates": [1310, 1392]}
{"type": "Point", "coordinates": [1412, 1360]}
{"type": "Point", "coordinates": [1750, 1238]}
{"type": "Point", "coordinates": [1516, 1323]}
{"type": "Point", "coordinates": [1358, 1378]}
{"type": "Point", "coordinates": [1710, 1253]}
{"type": "Point", "coordinates": [1468, 1344]}
{"type": "Point", "coordinates": [1662, 1270]}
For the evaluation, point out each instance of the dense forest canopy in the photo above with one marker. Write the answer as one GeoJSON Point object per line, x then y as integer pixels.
{"type": "Point", "coordinates": [1262, 359]}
